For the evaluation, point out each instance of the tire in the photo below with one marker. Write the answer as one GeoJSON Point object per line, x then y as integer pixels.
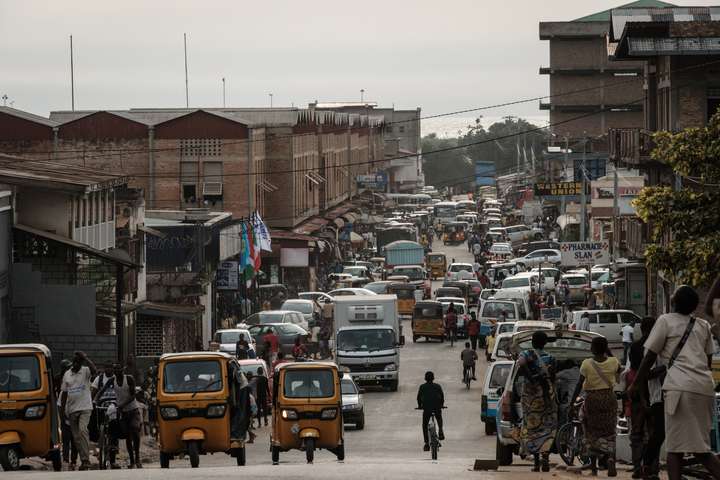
{"type": "Point", "coordinates": [240, 456]}
{"type": "Point", "coordinates": [361, 424]}
{"type": "Point", "coordinates": [340, 452]}
{"type": "Point", "coordinates": [567, 443]}
{"type": "Point", "coordinates": [393, 385]}
{"type": "Point", "coordinates": [433, 451]}
{"type": "Point", "coordinates": [194, 453]}
{"type": "Point", "coordinates": [503, 453]}
{"type": "Point", "coordinates": [102, 454]}
{"type": "Point", "coordinates": [9, 458]}
{"type": "Point", "coordinates": [275, 455]}
{"type": "Point", "coordinates": [310, 450]}
{"type": "Point", "coordinates": [56, 459]}
{"type": "Point", "coordinates": [490, 427]}
{"type": "Point", "coordinates": [164, 460]}
{"type": "Point", "coordinates": [415, 338]}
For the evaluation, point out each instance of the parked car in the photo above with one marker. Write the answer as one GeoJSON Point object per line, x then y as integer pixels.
{"type": "Point", "coordinates": [307, 308]}
{"type": "Point", "coordinates": [577, 282]}
{"type": "Point", "coordinates": [460, 271]}
{"type": "Point", "coordinates": [353, 408]}
{"type": "Point", "coordinates": [319, 297]}
{"type": "Point", "coordinates": [598, 277]}
{"type": "Point", "coordinates": [563, 345]}
{"type": "Point", "coordinates": [504, 327]}
{"type": "Point", "coordinates": [530, 247]}
{"type": "Point", "coordinates": [501, 349]}
{"type": "Point", "coordinates": [500, 251]}
{"type": "Point", "coordinates": [495, 379]}
{"type": "Point", "coordinates": [608, 323]}
{"type": "Point", "coordinates": [380, 287]}
{"type": "Point", "coordinates": [475, 290]}
{"type": "Point", "coordinates": [286, 332]}
{"type": "Point", "coordinates": [522, 280]}
{"type": "Point", "coordinates": [538, 257]}
{"type": "Point", "coordinates": [275, 316]}
{"type": "Point", "coordinates": [350, 291]}
{"type": "Point", "coordinates": [358, 271]}
{"type": "Point", "coordinates": [225, 340]}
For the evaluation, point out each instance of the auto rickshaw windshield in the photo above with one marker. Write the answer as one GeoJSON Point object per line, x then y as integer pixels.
{"type": "Point", "coordinates": [19, 373]}
{"type": "Point", "coordinates": [192, 377]}
{"type": "Point", "coordinates": [436, 258]}
{"type": "Point", "coordinates": [366, 339]}
{"type": "Point", "coordinates": [404, 293]}
{"type": "Point", "coordinates": [310, 383]}
{"type": "Point", "coordinates": [427, 311]}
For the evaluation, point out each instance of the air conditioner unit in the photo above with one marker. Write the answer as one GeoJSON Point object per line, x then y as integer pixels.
{"type": "Point", "coordinates": [212, 188]}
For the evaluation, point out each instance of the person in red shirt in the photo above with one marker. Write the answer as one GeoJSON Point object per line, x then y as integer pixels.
{"type": "Point", "coordinates": [299, 350]}
{"type": "Point", "coordinates": [473, 329]}
{"type": "Point", "coordinates": [451, 324]}
{"type": "Point", "coordinates": [272, 339]}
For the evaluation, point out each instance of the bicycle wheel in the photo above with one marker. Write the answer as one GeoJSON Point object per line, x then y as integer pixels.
{"type": "Point", "coordinates": [565, 444]}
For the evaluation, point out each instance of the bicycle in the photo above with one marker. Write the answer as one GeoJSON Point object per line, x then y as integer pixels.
{"type": "Point", "coordinates": [467, 376]}
{"type": "Point", "coordinates": [570, 437]}
{"type": "Point", "coordinates": [433, 438]}
{"type": "Point", "coordinates": [107, 448]}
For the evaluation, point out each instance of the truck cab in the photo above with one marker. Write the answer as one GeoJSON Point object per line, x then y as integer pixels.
{"type": "Point", "coordinates": [368, 338]}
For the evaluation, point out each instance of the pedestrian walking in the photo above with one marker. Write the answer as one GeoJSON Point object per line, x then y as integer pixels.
{"type": "Point", "coordinates": [451, 324]}
{"type": "Point", "coordinates": [241, 348]}
{"type": "Point", "coordinates": [598, 376]}
{"type": "Point", "coordinates": [627, 333]}
{"type": "Point", "coordinates": [263, 396]}
{"type": "Point", "coordinates": [273, 342]}
{"type": "Point", "coordinates": [538, 399]}
{"type": "Point", "coordinates": [69, 451]}
{"type": "Point", "coordinates": [473, 330]}
{"type": "Point", "coordinates": [130, 414]}
{"type": "Point", "coordinates": [76, 403]}
{"type": "Point", "coordinates": [315, 340]}
{"type": "Point", "coordinates": [684, 343]}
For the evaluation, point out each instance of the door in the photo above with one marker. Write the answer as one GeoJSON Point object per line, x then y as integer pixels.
{"type": "Point", "coordinates": [609, 326]}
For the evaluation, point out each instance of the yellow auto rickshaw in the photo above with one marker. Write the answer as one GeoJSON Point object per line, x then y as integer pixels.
{"type": "Point", "coordinates": [405, 293]}
{"type": "Point", "coordinates": [29, 419]}
{"type": "Point", "coordinates": [436, 264]}
{"type": "Point", "coordinates": [203, 402]}
{"type": "Point", "coordinates": [307, 409]}
{"type": "Point", "coordinates": [427, 321]}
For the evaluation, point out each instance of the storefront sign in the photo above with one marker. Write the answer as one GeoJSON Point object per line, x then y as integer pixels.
{"type": "Point", "coordinates": [574, 254]}
{"type": "Point", "coordinates": [375, 181]}
{"type": "Point", "coordinates": [294, 257]}
{"type": "Point", "coordinates": [227, 276]}
{"type": "Point", "coordinates": [551, 314]}
{"type": "Point", "coordinates": [557, 189]}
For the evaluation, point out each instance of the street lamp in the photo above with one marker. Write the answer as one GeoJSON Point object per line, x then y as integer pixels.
{"type": "Point", "coordinates": [271, 99]}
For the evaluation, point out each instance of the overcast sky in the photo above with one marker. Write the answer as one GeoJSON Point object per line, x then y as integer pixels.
{"type": "Point", "coordinates": [439, 55]}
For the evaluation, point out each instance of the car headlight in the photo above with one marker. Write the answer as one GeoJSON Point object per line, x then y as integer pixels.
{"type": "Point", "coordinates": [215, 411]}
{"type": "Point", "coordinates": [390, 367]}
{"type": "Point", "coordinates": [289, 415]}
{"type": "Point", "coordinates": [352, 406]}
{"type": "Point", "coordinates": [169, 413]}
{"type": "Point", "coordinates": [35, 411]}
{"type": "Point", "coordinates": [328, 414]}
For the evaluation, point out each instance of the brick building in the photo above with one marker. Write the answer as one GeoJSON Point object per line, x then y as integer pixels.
{"type": "Point", "coordinates": [679, 49]}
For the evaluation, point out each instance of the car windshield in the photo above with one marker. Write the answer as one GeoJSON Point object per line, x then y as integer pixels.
{"type": "Point", "coordinates": [499, 376]}
{"type": "Point", "coordinates": [458, 307]}
{"type": "Point", "coordinates": [190, 377]}
{"type": "Point", "coordinates": [494, 309]}
{"type": "Point", "coordinates": [516, 282]}
{"type": "Point", "coordinates": [505, 327]}
{"type": "Point", "coordinates": [428, 311]}
{"type": "Point", "coordinates": [230, 337]}
{"type": "Point", "coordinates": [19, 373]}
{"type": "Point", "coordinates": [348, 387]}
{"type": "Point", "coordinates": [503, 347]}
{"type": "Point", "coordinates": [291, 329]}
{"type": "Point", "coordinates": [366, 339]}
{"type": "Point", "coordinates": [576, 280]}
{"type": "Point", "coordinates": [436, 258]}
{"type": "Point", "coordinates": [355, 271]}
{"type": "Point", "coordinates": [562, 348]}
{"type": "Point", "coordinates": [460, 268]}
{"type": "Point", "coordinates": [270, 317]}
{"type": "Point", "coordinates": [411, 273]}
{"type": "Point", "coordinates": [598, 275]}
{"type": "Point", "coordinates": [310, 383]}
{"type": "Point", "coordinates": [377, 287]}
{"type": "Point", "coordinates": [500, 248]}
{"type": "Point", "coordinates": [404, 293]}
{"type": "Point", "coordinates": [295, 306]}
{"type": "Point", "coordinates": [250, 368]}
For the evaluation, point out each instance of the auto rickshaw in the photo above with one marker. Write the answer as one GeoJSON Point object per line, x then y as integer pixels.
{"type": "Point", "coordinates": [405, 293]}
{"type": "Point", "coordinates": [464, 288]}
{"type": "Point", "coordinates": [201, 406]}
{"type": "Point", "coordinates": [427, 321]}
{"type": "Point", "coordinates": [436, 264]}
{"type": "Point", "coordinates": [454, 233]}
{"type": "Point", "coordinates": [29, 419]}
{"type": "Point", "coordinates": [307, 409]}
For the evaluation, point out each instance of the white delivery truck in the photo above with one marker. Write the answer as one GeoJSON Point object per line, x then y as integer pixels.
{"type": "Point", "coordinates": [367, 339]}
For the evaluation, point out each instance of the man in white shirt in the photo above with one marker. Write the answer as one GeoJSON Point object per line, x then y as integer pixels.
{"type": "Point", "coordinates": [627, 339]}
{"type": "Point", "coordinates": [76, 403]}
{"type": "Point", "coordinates": [583, 323]}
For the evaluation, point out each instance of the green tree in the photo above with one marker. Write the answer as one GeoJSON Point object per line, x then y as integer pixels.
{"type": "Point", "coordinates": [684, 223]}
{"type": "Point", "coordinates": [449, 165]}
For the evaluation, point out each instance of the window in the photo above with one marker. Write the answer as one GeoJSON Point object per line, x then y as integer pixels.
{"type": "Point", "coordinates": [212, 181]}
{"type": "Point", "coordinates": [713, 102]}
{"type": "Point", "coordinates": [188, 178]}
{"type": "Point", "coordinates": [627, 317]}
{"type": "Point", "coordinates": [313, 383]}
{"type": "Point", "coordinates": [595, 168]}
{"type": "Point", "coordinates": [187, 377]}
{"type": "Point", "coordinates": [19, 374]}
{"type": "Point", "coordinates": [499, 375]}
{"type": "Point", "coordinates": [608, 317]}
{"type": "Point", "coordinates": [401, 129]}
{"type": "Point", "coordinates": [200, 147]}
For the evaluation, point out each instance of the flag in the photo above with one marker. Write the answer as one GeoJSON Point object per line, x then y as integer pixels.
{"type": "Point", "coordinates": [255, 247]}
{"type": "Point", "coordinates": [244, 248]}
{"type": "Point", "coordinates": [263, 233]}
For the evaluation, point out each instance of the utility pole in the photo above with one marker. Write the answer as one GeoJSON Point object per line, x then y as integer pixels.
{"type": "Point", "coordinates": [583, 205]}
{"type": "Point", "coordinates": [616, 214]}
{"type": "Point", "coordinates": [362, 95]}
{"type": "Point", "coordinates": [271, 98]}
{"type": "Point", "coordinates": [187, 95]}
{"type": "Point", "coordinates": [5, 99]}
{"type": "Point", "coordinates": [72, 77]}
{"type": "Point", "coordinates": [223, 83]}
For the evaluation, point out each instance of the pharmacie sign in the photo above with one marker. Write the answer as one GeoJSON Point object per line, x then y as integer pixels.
{"type": "Point", "coordinates": [584, 253]}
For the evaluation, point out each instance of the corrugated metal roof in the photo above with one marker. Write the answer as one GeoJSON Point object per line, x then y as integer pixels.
{"type": "Point", "coordinates": [31, 117]}
{"type": "Point", "coordinates": [620, 17]}
{"type": "Point", "coordinates": [344, 104]}
{"type": "Point", "coordinates": [65, 116]}
{"type": "Point", "coordinates": [55, 176]}
{"type": "Point", "coordinates": [604, 16]}
{"type": "Point", "coordinates": [673, 46]}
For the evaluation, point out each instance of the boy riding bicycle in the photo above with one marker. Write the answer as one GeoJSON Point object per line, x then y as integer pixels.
{"type": "Point", "coordinates": [468, 357]}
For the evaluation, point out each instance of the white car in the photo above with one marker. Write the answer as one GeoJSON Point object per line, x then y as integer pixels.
{"type": "Point", "coordinates": [225, 340]}
{"type": "Point", "coordinates": [608, 323]}
{"type": "Point", "coordinates": [319, 297]}
{"type": "Point", "coordinates": [275, 316]}
{"type": "Point", "coordinates": [577, 282]}
{"type": "Point", "coordinates": [495, 379]}
{"type": "Point", "coordinates": [523, 280]}
{"type": "Point", "coordinates": [598, 277]}
{"type": "Point", "coordinates": [550, 274]}
{"type": "Point", "coordinates": [350, 291]}
{"type": "Point", "coordinates": [460, 309]}
{"type": "Point", "coordinates": [460, 271]}
{"type": "Point", "coordinates": [500, 251]}
{"type": "Point", "coordinates": [538, 257]}
{"type": "Point", "coordinates": [501, 349]}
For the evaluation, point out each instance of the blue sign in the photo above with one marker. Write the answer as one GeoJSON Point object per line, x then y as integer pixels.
{"type": "Point", "coordinates": [484, 173]}
{"type": "Point", "coordinates": [374, 181]}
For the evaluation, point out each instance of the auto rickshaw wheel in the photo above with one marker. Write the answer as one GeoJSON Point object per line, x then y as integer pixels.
{"type": "Point", "coordinates": [194, 453]}
{"type": "Point", "coordinates": [239, 455]}
{"type": "Point", "coordinates": [164, 460]}
{"type": "Point", "coordinates": [275, 455]}
{"type": "Point", "coordinates": [310, 449]}
{"type": "Point", "coordinates": [9, 458]}
{"type": "Point", "coordinates": [340, 452]}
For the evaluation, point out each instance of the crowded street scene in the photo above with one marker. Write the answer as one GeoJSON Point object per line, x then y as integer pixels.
{"type": "Point", "coordinates": [474, 269]}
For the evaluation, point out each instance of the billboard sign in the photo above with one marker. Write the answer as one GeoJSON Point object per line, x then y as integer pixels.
{"type": "Point", "coordinates": [227, 276]}
{"type": "Point", "coordinates": [374, 181]}
{"type": "Point", "coordinates": [578, 254]}
{"type": "Point", "coordinates": [557, 189]}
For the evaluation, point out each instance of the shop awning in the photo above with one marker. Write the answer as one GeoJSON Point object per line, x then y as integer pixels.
{"type": "Point", "coordinates": [312, 225]}
{"type": "Point", "coordinates": [356, 238]}
{"type": "Point", "coordinates": [350, 217]}
{"type": "Point", "coordinates": [170, 310]}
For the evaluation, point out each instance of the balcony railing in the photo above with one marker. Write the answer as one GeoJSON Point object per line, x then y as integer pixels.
{"type": "Point", "coordinates": [630, 145]}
